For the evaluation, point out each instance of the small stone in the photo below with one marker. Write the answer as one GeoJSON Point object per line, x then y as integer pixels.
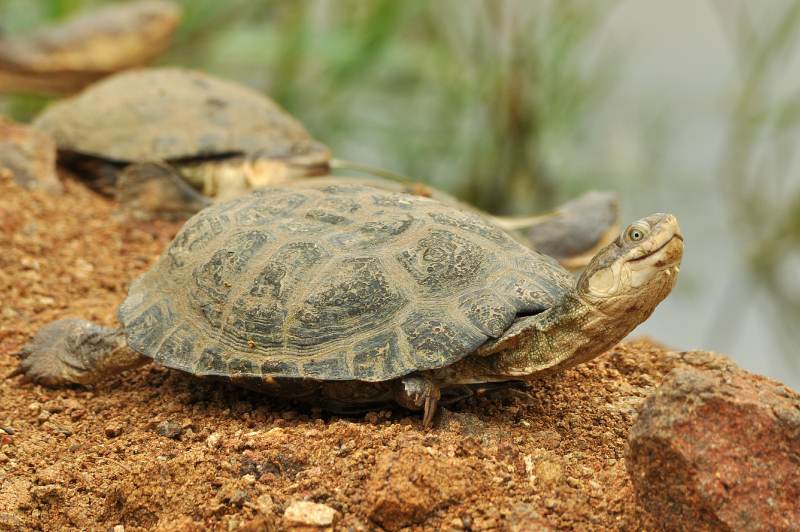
{"type": "Point", "coordinates": [214, 440]}
{"type": "Point", "coordinates": [8, 430]}
{"type": "Point", "coordinates": [43, 416]}
{"type": "Point", "coordinates": [302, 514]}
{"type": "Point", "coordinates": [34, 408]}
{"type": "Point", "coordinates": [169, 429]}
{"type": "Point", "coordinates": [264, 504]}
{"type": "Point", "coordinates": [113, 430]}
{"type": "Point", "coordinates": [3, 458]}
{"type": "Point", "coordinates": [709, 450]}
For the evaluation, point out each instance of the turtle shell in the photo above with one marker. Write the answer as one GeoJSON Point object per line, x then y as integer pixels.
{"type": "Point", "coordinates": [333, 282]}
{"type": "Point", "coordinates": [160, 114]}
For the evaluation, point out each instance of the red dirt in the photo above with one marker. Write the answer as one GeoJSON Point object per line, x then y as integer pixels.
{"type": "Point", "coordinates": [92, 459]}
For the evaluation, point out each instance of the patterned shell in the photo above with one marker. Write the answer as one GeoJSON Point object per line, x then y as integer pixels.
{"type": "Point", "coordinates": [170, 113]}
{"type": "Point", "coordinates": [333, 282]}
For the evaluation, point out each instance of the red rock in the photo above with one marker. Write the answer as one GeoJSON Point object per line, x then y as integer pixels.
{"type": "Point", "coordinates": [717, 447]}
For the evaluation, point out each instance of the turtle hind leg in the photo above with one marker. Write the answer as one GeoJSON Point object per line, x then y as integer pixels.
{"type": "Point", "coordinates": [73, 351]}
{"type": "Point", "coordinates": [156, 190]}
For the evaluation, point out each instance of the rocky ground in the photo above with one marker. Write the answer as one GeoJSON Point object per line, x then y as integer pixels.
{"type": "Point", "coordinates": [158, 449]}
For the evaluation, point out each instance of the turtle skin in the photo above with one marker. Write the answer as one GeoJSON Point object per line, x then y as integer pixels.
{"type": "Point", "coordinates": [333, 282]}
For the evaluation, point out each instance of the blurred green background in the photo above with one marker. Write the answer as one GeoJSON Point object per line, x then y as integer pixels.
{"type": "Point", "coordinates": [685, 106]}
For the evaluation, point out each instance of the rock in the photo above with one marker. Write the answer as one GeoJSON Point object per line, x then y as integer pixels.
{"type": "Point", "coordinates": [305, 515]}
{"type": "Point", "coordinates": [113, 430]}
{"type": "Point", "coordinates": [407, 485]}
{"type": "Point", "coordinates": [169, 429]}
{"type": "Point", "coordinates": [523, 517]}
{"type": "Point", "coordinates": [717, 447]}
{"type": "Point", "coordinates": [28, 156]}
{"type": "Point", "coordinates": [213, 441]}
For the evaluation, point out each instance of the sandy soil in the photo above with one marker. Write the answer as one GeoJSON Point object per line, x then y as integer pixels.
{"type": "Point", "coordinates": [158, 449]}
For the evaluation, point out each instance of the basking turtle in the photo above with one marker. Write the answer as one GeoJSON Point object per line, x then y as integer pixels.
{"type": "Point", "coordinates": [217, 135]}
{"type": "Point", "coordinates": [351, 297]}
{"type": "Point", "coordinates": [66, 57]}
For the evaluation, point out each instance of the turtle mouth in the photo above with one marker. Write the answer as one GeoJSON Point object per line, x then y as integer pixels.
{"type": "Point", "coordinates": [674, 239]}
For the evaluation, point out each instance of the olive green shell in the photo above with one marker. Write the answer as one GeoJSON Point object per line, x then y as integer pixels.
{"type": "Point", "coordinates": [161, 114]}
{"type": "Point", "coordinates": [333, 282]}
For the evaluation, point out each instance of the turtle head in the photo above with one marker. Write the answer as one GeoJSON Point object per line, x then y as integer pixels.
{"type": "Point", "coordinates": [630, 276]}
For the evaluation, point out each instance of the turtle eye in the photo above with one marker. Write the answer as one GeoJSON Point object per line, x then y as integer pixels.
{"type": "Point", "coordinates": [636, 232]}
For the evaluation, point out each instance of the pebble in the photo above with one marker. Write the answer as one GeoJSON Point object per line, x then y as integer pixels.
{"type": "Point", "coordinates": [169, 429]}
{"type": "Point", "coordinates": [214, 440]}
{"type": "Point", "coordinates": [305, 513]}
{"type": "Point", "coordinates": [264, 504]}
{"type": "Point", "coordinates": [8, 430]}
{"type": "Point", "coordinates": [112, 431]}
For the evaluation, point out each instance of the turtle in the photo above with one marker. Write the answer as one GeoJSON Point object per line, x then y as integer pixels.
{"type": "Point", "coordinates": [351, 298]}
{"type": "Point", "coordinates": [69, 55]}
{"type": "Point", "coordinates": [157, 137]}
{"type": "Point", "coordinates": [164, 129]}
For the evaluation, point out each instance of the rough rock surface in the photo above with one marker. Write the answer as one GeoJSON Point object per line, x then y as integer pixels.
{"type": "Point", "coordinates": [28, 157]}
{"type": "Point", "coordinates": [549, 455]}
{"type": "Point", "coordinates": [408, 484]}
{"type": "Point", "coordinates": [718, 447]}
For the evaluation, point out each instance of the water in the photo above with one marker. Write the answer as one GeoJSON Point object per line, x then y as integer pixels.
{"type": "Point", "coordinates": [678, 73]}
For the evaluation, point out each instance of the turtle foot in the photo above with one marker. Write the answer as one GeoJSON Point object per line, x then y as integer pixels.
{"type": "Point", "coordinates": [416, 392]}
{"type": "Point", "coordinates": [71, 351]}
{"type": "Point", "coordinates": [155, 190]}
{"type": "Point", "coordinates": [49, 358]}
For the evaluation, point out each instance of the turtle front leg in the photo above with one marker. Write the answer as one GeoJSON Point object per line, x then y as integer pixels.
{"type": "Point", "coordinates": [157, 190]}
{"type": "Point", "coordinates": [73, 351]}
{"type": "Point", "coordinates": [417, 392]}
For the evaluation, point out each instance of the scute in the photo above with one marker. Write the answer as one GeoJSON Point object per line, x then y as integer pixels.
{"type": "Point", "coordinates": [487, 311]}
{"type": "Point", "coordinates": [357, 295]}
{"type": "Point", "coordinates": [433, 335]}
{"type": "Point", "coordinates": [214, 278]}
{"type": "Point", "coordinates": [442, 261]}
{"type": "Point", "coordinates": [270, 285]}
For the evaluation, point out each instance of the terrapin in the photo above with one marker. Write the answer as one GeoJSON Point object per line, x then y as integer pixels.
{"type": "Point", "coordinates": [350, 297]}
{"type": "Point", "coordinates": [219, 136]}
{"type": "Point", "coordinates": [71, 54]}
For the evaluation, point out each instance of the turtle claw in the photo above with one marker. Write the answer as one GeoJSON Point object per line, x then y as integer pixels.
{"type": "Point", "coordinates": [416, 392]}
{"type": "Point", "coordinates": [16, 372]}
{"type": "Point", "coordinates": [431, 403]}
